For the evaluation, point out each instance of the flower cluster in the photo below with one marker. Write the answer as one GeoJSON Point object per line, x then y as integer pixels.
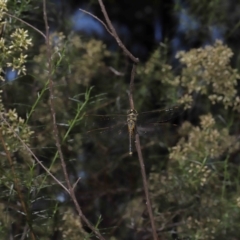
{"type": "Point", "coordinates": [206, 141]}
{"type": "Point", "coordinates": [208, 72]}
{"type": "Point", "coordinates": [12, 52]}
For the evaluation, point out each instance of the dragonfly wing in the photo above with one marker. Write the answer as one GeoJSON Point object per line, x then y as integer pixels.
{"type": "Point", "coordinates": [160, 115]}
{"type": "Point", "coordinates": [106, 133]}
{"type": "Point", "coordinates": [158, 122]}
{"type": "Point", "coordinates": [104, 125]}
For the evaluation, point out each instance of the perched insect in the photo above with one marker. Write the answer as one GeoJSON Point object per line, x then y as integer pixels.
{"type": "Point", "coordinates": [130, 123]}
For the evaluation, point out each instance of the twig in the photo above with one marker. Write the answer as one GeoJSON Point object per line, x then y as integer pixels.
{"type": "Point", "coordinates": [55, 129]}
{"type": "Point", "coordinates": [114, 33]}
{"type": "Point", "coordinates": [75, 184]}
{"type": "Point", "coordinates": [31, 152]}
{"type": "Point", "coordinates": [97, 19]}
{"type": "Point", "coordinates": [131, 102]}
{"type": "Point", "coordinates": [28, 24]}
{"type": "Point", "coordinates": [69, 191]}
{"type": "Point", "coordinates": [130, 95]}
{"type": "Point", "coordinates": [145, 186]}
{"type": "Point", "coordinates": [117, 73]}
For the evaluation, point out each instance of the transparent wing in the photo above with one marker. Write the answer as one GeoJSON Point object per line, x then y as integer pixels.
{"type": "Point", "coordinates": [159, 123]}
{"type": "Point", "coordinates": [117, 123]}
{"type": "Point", "coordinates": [107, 132]}
{"type": "Point", "coordinates": [105, 124]}
{"type": "Point", "coordinates": [159, 116]}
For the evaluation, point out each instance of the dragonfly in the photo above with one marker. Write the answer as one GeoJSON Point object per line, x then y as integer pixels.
{"type": "Point", "coordinates": [130, 123]}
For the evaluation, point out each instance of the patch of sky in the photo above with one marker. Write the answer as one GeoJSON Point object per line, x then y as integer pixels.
{"type": "Point", "coordinates": [157, 30]}
{"type": "Point", "coordinates": [87, 24]}
{"type": "Point", "coordinates": [11, 74]}
{"type": "Point", "coordinates": [186, 22]}
{"type": "Point", "coordinates": [61, 197]}
{"type": "Point", "coordinates": [177, 44]}
{"type": "Point", "coordinates": [217, 33]}
{"type": "Point", "coordinates": [82, 174]}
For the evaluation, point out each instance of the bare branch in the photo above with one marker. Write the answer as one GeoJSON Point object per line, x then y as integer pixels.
{"type": "Point", "coordinates": [56, 132]}
{"type": "Point", "coordinates": [55, 128]}
{"type": "Point", "coordinates": [28, 24]}
{"type": "Point", "coordinates": [131, 102]}
{"type": "Point", "coordinates": [75, 184]}
{"type": "Point", "coordinates": [145, 186]}
{"type": "Point", "coordinates": [33, 155]}
{"type": "Point", "coordinates": [115, 35]}
{"type": "Point", "coordinates": [97, 19]}
{"type": "Point", "coordinates": [117, 73]}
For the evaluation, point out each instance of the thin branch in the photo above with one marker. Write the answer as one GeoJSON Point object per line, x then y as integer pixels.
{"type": "Point", "coordinates": [131, 102]}
{"type": "Point", "coordinates": [131, 86]}
{"type": "Point", "coordinates": [70, 191]}
{"type": "Point", "coordinates": [33, 155]}
{"type": "Point", "coordinates": [75, 184]}
{"type": "Point", "coordinates": [145, 186]}
{"type": "Point", "coordinates": [117, 73]}
{"type": "Point", "coordinates": [56, 132]}
{"type": "Point", "coordinates": [98, 20]}
{"type": "Point", "coordinates": [115, 35]}
{"type": "Point", "coordinates": [53, 114]}
{"type": "Point", "coordinates": [28, 24]}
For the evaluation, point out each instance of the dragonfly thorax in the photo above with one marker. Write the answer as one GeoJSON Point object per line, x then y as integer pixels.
{"type": "Point", "coordinates": [132, 115]}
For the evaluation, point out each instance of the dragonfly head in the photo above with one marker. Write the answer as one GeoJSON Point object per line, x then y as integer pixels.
{"type": "Point", "coordinates": [132, 111]}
